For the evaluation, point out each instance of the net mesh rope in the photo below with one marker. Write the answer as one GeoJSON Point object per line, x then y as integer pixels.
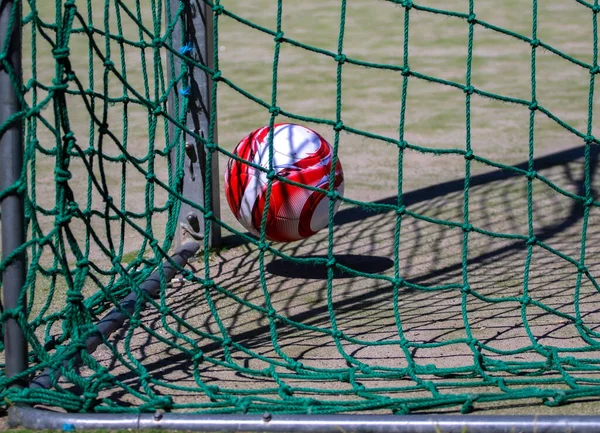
{"type": "Point", "coordinates": [49, 109]}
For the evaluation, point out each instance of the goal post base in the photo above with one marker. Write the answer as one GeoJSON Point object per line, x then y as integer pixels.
{"type": "Point", "coordinates": [31, 418]}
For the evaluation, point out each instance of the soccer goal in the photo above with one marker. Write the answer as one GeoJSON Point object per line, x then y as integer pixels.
{"type": "Point", "coordinates": [160, 272]}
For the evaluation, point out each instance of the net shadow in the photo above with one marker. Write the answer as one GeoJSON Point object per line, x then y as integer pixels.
{"type": "Point", "coordinates": [431, 339]}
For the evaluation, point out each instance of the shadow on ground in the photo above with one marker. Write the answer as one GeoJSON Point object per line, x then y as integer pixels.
{"type": "Point", "coordinates": [480, 316]}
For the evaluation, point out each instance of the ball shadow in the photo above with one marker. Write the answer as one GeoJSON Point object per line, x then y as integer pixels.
{"type": "Point", "coordinates": [359, 263]}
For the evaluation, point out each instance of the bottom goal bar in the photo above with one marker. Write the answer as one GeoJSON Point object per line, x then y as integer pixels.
{"type": "Point", "coordinates": [40, 419]}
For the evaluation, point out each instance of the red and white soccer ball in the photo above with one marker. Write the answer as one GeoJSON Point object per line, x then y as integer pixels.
{"type": "Point", "coordinates": [300, 155]}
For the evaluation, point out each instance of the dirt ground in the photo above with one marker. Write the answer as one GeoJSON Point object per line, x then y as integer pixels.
{"type": "Point", "coordinates": [437, 323]}
{"type": "Point", "coordinates": [526, 331]}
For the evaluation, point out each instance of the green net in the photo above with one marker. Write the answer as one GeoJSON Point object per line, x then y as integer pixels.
{"type": "Point", "coordinates": [448, 294]}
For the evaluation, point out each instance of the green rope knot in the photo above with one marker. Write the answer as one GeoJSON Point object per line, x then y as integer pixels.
{"type": "Point", "coordinates": [90, 395]}
{"type": "Point", "coordinates": [344, 377]}
{"type": "Point", "coordinates": [330, 263]}
{"type": "Point", "coordinates": [271, 174]}
{"type": "Point", "coordinates": [402, 145]}
{"type": "Point", "coordinates": [401, 210]}
{"type": "Point", "coordinates": [243, 404]}
{"type": "Point", "coordinates": [198, 357]}
{"type": "Point", "coordinates": [526, 300]}
{"type": "Point", "coordinates": [62, 176]}
{"type": "Point", "coordinates": [209, 215]}
{"type": "Point", "coordinates": [469, 90]}
{"type": "Point", "coordinates": [11, 313]}
{"type": "Point", "coordinates": [135, 323]}
{"type": "Point", "coordinates": [157, 42]}
{"type": "Point", "coordinates": [533, 106]}
{"type": "Point", "coordinates": [430, 386]}
{"type": "Point", "coordinates": [227, 342]}
{"type": "Point", "coordinates": [408, 4]}
{"type": "Point", "coordinates": [531, 175]}
{"type": "Point", "coordinates": [82, 263]}
{"type": "Point", "coordinates": [163, 402]}
{"type": "Point", "coordinates": [340, 58]}
{"type": "Point", "coordinates": [211, 146]}
{"type": "Point", "coordinates": [61, 53]}
{"type": "Point", "coordinates": [531, 240]}
{"type": "Point", "coordinates": [472, 19]}
{"type": "Point", "coordinates": [298, 367]}
{"type": "Point", "coordinates": [209, 284]}
{"type": "Point", "coordinates": [365, 369]}
{"type": "Point", "coordinates": [557, 399]}
{"type": "Point", "coordinates": [469, 155]}
{"type": "Point", "coordinates": [216, 76]}
{"type": "Point", "coordinates": [218, 9]}
{"type": "Point", "coordinates": [589, 201]}
{"type": "Point", "coordinates": [74, 297]}
{"type": "Point", "coordinates": [569, 360]}
{"type": "Point", "coordinates": [466, 289]}
{"type": "Point", "coordinates": [596, 8]}
{"type": "Point", "coordinates": [582, 269]}
{"type": "Point", "coordinates": [271, 314]}
{"type": "Point", "coordinates": [150, 177]}
{"type": "Point", "coordinates": [589, 139]}
{"type": "Point", "coordinates": [333, 195]}
{"type": "Point", "coordinates": [109, 64]}
{"type": "Point", "coordinates": [63, 219]}
{"type": "Point", "coordinates": [103, 129]}
{"type": "Point", "coordinates": [402, 409]}
{"type": "Point", "coordinates": [337, 334]}
{"type": "Point", "coordinates": [286, 390]}
{"type": "Point", "coordinates": [500, 383]}
{"type": "Point", "coordinates": [595, 70]}
{"type": "Point", "coordinates": [359, 388]}
{"type": "Point", "coordinates": [398, 282]}
{"type": "Point", "coordinates": [107, 199]}
{"type": "Point", "coordinates": [338, 126]}
{"type": "Point", "coordinates": [68, 137]}
{"type": "Point", "coordinates": [275, 111]}
{"type": "Point", "coordinates": [467, 227]}
{"type": "Point", "coordinates": [406, 71]}
{"type": "Point", "coordinates": [34, 111]}
{"type": "Point", "coordinates": [279, 37]}
{"type": "Point", "coordinates": [213, 389]}
{"type": "Point", "coordinates": [535, 43]}
{"type": "Point", "coordinates": [468, 406]}
{"type": "Point", "coordinates": [59, 86]}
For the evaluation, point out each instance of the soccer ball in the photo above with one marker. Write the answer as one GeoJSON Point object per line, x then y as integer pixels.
{"type": "Point", "coordinates": [299, 155]}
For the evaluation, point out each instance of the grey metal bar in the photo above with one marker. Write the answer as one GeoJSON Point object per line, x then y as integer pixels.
{"type": "Point", "coordinates": [38, 419]}
{"type": "Point", "coordinates": [115, 319]}
{"type": "Point", "coordinates": [196, 29]}
{"type": "Point", "coordinates": [12, 210]}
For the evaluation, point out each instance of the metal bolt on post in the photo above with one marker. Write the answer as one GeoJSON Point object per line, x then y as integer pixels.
{"type": "Point", "coordinates": [195, 30]}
